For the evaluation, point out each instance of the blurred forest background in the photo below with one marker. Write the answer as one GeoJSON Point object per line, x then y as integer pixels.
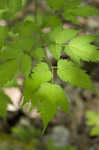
{"type": "Point", "coordinates": [22, 130]}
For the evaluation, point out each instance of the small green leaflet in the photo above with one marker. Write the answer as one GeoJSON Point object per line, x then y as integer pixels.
{"type": "Point", "coordinates": [61, 36]}
{"type": "Point", "coordinates": [25, 64]}
{"type": "Point", "coordinates": [8, 70]}
{"type": "Point", "coordinates": [51, 97]}
{"type": "Point", "coordinates": [95, 131]}
{"type": "Point", "coordinates": [41, 74]}
{"type": "Point", "coordinates": [80, 49]}
{"type": "Point", "coordinates": [4, 100]}
{"type": "Point", "coordinates": [93, 118]}
{"type": "Point", "coordinates": [38, 54]}
{"type": "Point", "coordinates": [70, 72]}
{"type": "Point", "coordinates": [56, 4]}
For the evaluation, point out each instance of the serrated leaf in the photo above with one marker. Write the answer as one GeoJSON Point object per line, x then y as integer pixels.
{"type": "Point", "coordinates": [41, 74]}
{"type": "Point", "coordinates": [71, 73]}
{"type": "Point", "coordinates": [80, 49]}
{"type": "Point", "coordinates": [61, 36]}
{"type": "Point", "coordinates": [38, 54]}
{"type": "Point", "coordinates": [8, 70]}
{"type": "Point", "coordinates": [56, 4]}
{"type": "Point", "coordinates": [25, 64]}
{"type": "Point", "coordinates": [51, 97]}
{"type": "Point", "coordinates": [4, 100]}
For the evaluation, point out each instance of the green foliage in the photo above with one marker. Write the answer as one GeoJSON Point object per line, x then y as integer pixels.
{"type": "Point", "coordinates": [8, 70]}
{"type": "Point", "coordinates": [4, 100]}
{"type": "Point", "coordinates": [23, 50]}
{"type": "Point", "coordinates": [72, 9]}
{"type": "Point", "coordinates": [50, 102]}
{"type": "Point", "coordinates": [93, 121]}
{"type": "Point", "coordinates": [77, 49]}
{"type": "Point", "coordinates": [70, 72]}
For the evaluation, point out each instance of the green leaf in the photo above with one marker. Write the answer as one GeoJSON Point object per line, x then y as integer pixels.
{"type": "Point", "coordinates": [70, 72]}
{"type": "Point", "coordinates": [93, 118]}
{"type": "Point", "coordinates": [85, 11]}
{"type": "Point", "coordinates": [25, 64]}
{"type": "Point", "coordinates": [8, 70]}
{"type": "Point", "coordinates": [4, 100]}
{"type": "Point", "coordinates": [9, 53]}
{"type": "Point", "coordinates": [14, 5]}
{"type": "Point", "coordinates": [24, 29]}
{"type": "Point", "coordinates": [51, 97]}
{"type": "Point", "coordinates": [51, 21]}
{"type": "Point", "coordinates": [73, 9]}
{"type": "Point", "coordinates": [61, 36]}
{"type": "Point", "coordinates": [56, 4]}
{"type": "Point", "coordinates": [80, 49]}
{"type": "Point", "coordinates": [95, 131]}
{"type": "Point", "coordinates": [38, 54]}
{"type": "Point", "coordinates": [3, 32]}
{"type": "Point", "coordinates": [24, 44]}
{"type": "Point", "coordinates": [41, 74]}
